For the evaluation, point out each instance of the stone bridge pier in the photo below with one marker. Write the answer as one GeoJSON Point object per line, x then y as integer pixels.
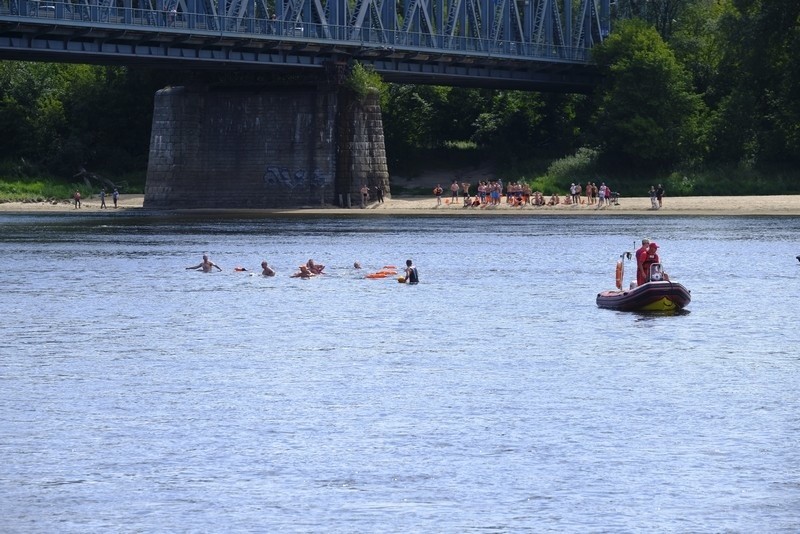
{"type": "Point", "coordinates": [251, 146]}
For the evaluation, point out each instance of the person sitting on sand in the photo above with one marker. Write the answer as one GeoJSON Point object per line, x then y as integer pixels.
{"type": "Point", "coordinates": [315, 268]}
{"type": "Point", "coordinates": [553, 200]}
{"type": "Point", "coordinates": [266, 270]}
{"type": "Point", "coordinates": [206, 265]}
{"type": "Point", "coordinates": [302, 273]}
{"type": "Point", "coordinates": [476, 202]}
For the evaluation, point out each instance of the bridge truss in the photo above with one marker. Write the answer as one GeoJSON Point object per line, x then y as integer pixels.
{"type": "Point", "coordinates": [513, 43]}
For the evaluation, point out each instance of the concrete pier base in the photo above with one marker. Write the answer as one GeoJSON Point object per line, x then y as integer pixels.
{"type": "Point", "coordinates": [269, 147]}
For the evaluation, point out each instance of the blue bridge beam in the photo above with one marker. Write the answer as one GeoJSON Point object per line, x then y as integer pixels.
{"type": "Point", "coordinates": [526, 44]}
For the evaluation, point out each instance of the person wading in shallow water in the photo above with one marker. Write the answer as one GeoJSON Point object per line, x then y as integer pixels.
{"type": "Point", "coordinates": [412, 276]}
{"type": "Point", "coordinates": [206, 265]}
{"type": "Point", "coordinates": [266, 270]}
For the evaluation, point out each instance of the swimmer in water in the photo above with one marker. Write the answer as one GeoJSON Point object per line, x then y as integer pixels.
{"type": "Point", "coordinates": [302, 273]}
{"type": "Point", "coordinates": [266, 270]}
{"type": "Point", "coordinates": [206, 265]}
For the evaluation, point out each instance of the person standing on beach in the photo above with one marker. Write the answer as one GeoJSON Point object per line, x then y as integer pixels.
{"type": "Point", "coordinates": [379, 193]}
{"type": "Point", "coordinates": [103, 198]}
{"type": "Point", "coordinates": [438, 192]}
{"type": "Point", "coordinates": [454, 191]}
{"type": "Point", "coordinates": [653, 198]}
{"type": "Point", "coordinates": [206, 265]}
{"type": "Point", "coordinates": [364, 195]}
{"type": "Point", "coordinates": [659, 195]}
{"type": "Point", "coordinates": [115, 197]}
{"type": "Point", "coordinates": [77, 198]}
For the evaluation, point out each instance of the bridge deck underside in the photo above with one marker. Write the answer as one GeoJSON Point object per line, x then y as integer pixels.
{"type": "Point", "coordinates": [491, 43]}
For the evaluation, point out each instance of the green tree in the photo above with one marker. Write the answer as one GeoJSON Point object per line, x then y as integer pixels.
{"type": "Point", "coordinates": [758, 117]}
{"type": "Point", "coordinates": [699, 46]}
{"type": "Point", "coordinates": [61, 116]}
{"type": "Point", "coordinates": [647, 113]}
{"type": "Point", "coordinates": [661, 14]}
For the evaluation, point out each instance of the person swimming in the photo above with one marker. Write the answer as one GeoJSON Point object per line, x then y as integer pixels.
{"type": "Point", "coordinates": [266, 270]}
{"type": "Point", "coordinates": [302, 273]}
{"type": "Point", "coordinates": [315, 268]}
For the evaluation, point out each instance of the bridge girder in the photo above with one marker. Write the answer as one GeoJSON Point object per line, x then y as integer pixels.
{"type": "Point", "coordinates": [460, 42]}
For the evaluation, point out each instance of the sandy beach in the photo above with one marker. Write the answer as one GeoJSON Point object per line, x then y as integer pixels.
{"type": "Point", "coordinates": [778, 205]}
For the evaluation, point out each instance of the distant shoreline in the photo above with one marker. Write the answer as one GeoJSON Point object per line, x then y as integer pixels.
{"type": "Point", "coordinates": [777, 205]}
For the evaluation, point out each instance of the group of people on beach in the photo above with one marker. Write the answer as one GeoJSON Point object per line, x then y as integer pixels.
{"type": "Point", "coordinates": [305, 271]}
{"type": "Point", "coordinates": [519, 194]}
{"type": "Point", "coordinates": [76, 198]}
{"type": "Point", "coordinates": [656, 196]}
{"type": "Point", "coordinates": [365, 194]}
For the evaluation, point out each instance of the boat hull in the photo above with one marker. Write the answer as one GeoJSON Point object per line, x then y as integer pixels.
{"type": "Point", "coordinates": [662, 296]}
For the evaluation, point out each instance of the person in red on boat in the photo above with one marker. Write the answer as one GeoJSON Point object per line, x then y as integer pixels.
{"type": "Point", "coordinates": [652, 257]}
{"type": "Point", "coordinates": [641, 256]}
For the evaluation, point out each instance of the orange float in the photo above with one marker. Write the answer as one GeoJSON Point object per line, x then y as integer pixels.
{"type": "Point", "coordinates": [619, 274]}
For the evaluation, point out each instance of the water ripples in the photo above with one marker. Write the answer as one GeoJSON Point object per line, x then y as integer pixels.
{"type": "Point", "coordinates": [494, 396]}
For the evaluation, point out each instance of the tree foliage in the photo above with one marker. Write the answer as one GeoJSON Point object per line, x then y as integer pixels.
{"type": "Point", "coordinates": [63, 116]}
{"type": "Point", "coordinates": [758, 117]}
{"type": "Point", "coordinates": [686, 83]}
{"type": "Point", "coordinates": [647, 113]}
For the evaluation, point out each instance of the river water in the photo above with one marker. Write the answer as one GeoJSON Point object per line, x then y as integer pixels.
{"type": "Point", "coordinates": [494, 396]}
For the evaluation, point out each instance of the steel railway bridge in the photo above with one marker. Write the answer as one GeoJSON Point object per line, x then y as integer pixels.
{"type": "Point", "coordinates": [520, 44]}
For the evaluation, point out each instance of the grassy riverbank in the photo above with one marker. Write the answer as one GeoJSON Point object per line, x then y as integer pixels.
{"type": "Point", "coordinates": [20, 182]}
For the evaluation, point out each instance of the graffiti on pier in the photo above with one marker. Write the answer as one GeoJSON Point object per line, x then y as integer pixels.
{"type": "Point", "coordinates": [284, 177]}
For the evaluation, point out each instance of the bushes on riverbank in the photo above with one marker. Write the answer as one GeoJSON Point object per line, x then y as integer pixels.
{"type": "Point", "coordinates": [21, 182]}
